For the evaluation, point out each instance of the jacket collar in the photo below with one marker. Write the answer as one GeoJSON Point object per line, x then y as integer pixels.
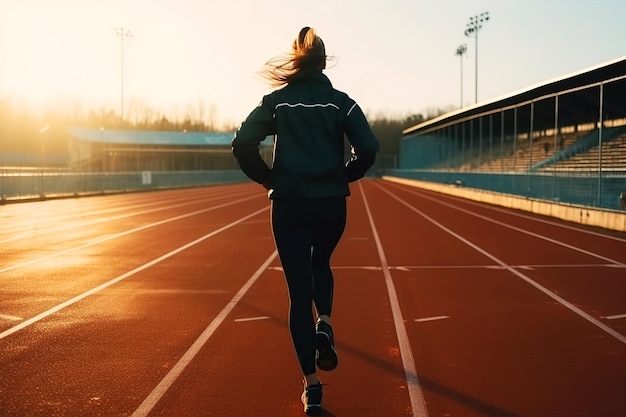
{"type": "Point", "coordinates": [317, 76]}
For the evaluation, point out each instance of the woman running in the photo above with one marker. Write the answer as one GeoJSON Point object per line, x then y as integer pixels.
{"type": "Point", "coordinates": [307, 185]}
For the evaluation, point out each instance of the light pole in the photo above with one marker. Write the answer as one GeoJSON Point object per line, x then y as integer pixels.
{"type": "Point", "coordinates": [102, 168]}
{"type": "Point", "coordinates": [43, 130]}
{"type": "Point", "coordinates": [124, 35]}
{"type": "Point", "coordinates": [460, 51]}
{"type": "Point", "coordinates": [474, 25]}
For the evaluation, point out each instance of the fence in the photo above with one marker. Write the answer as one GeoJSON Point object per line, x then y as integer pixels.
{"type": "Point", "coordinates": [577, 169]}
{"type": "Point", "coordinates": [17, 186]}
{"type": "Point", "coordinates": [585, 189]}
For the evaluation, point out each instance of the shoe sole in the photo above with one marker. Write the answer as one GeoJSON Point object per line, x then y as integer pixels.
{"type": "Point", "coordinates": [313, 410]}
{"type": "Point", "coordinates": [326, 354]}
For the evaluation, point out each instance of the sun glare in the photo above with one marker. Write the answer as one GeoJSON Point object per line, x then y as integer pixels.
{"type": "Point", "coordinates": [59, 52]}
{"type": "Point", "coordinates": [51, 53]}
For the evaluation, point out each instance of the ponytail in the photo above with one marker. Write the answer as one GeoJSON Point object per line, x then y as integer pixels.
{"type": "Point", "coordinates": [308, 55]}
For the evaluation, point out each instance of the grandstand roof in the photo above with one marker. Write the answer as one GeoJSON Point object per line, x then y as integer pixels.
{"type": "Point", "coordinates": [577, 101]}
{"type": "Point", "coordinates": [140, 137]}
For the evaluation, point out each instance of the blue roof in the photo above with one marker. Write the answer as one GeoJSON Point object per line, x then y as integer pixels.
{"type": "Point", "coordinates": [142, 137]}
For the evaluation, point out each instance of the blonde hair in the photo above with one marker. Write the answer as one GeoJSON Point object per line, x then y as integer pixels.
{"type": "Point", "coordinates": [308, 54]}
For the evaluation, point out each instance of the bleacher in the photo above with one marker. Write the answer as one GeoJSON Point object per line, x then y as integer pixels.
{"type": "Point", "coordinates": [544, 156]}
{"type": "Point", "coordinates": [521, 156]}
{"type": "Point", "coordinates": [513, 144]}
{"type": "Point", "coordinates": [612, 154]}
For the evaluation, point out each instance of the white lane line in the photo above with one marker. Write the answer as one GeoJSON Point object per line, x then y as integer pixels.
{"type": "Point", "coordinates": [10, 318]}
{"type": "Point", "coordinates": [121, 234]}
{"type": "Point", "coordinates": [556, 242]}
{"type": "Point", "coordinates": [425, 319]}
{"type": "Point", "coordinates": [508, 211]}
{"type": "Point", "coordinates": [157, 393]}
{"type": "Point", "coordinates": [411, 267]}
{"type": "Point", "coordinates": [100, 287]}
{"type": "Point", "coordinates": [416, 396]}
{"type": "Point", "coordinates": [618, 316]}
{"type": "Point", "coordinates": [155, 291]}
{"type": "Point", "coordinates": [365, 267]}
{"type": "Point", "coordinates": [74, 225]}
{"type": "Point", "coordinates": [276, 268]}
{"type": "Point", "coordinates": [241, 320]}
{"type": "Point", "coordinates": [515, 272]}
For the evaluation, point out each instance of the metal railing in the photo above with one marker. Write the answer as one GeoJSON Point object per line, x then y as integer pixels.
{"type": "Point", "coordinates": [29, 185]}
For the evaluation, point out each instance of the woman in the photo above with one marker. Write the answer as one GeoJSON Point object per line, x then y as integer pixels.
{"type": "Point", "coordinates": [308, 186]}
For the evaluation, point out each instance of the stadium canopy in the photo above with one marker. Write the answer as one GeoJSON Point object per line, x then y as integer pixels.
{"type": "Point", "coordinates": [582, 98]}
{"type": "Point", "coordinates": [152, 138]}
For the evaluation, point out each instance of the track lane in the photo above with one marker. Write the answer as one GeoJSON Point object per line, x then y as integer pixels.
{"type": "Point", "coordinates": [485, 343]}
{"type": "Point", "coordinates": [520, 246]}
{"type": "Point", "coordinates": [30, 238]}
{"type": "Point", "coordinates": [490, 235]}
{"type": "Point", "coordinates": [65, 274]}
{"type": "Point", "coordinates": [18, 218]}
{"type": "Point", "coordinates": [113, 344]}
{"type": "Point", "coordinates": [268, 383]}
{"type": "Point", "coordinates": [468, 392]}
{"type": "Point", "coordinates": [585, 238]}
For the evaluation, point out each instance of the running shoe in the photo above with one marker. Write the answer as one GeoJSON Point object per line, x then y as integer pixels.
{"type": "Point", "coordinates": [326, 354]}
{"type": "Point", "coordinates": [312, 399]}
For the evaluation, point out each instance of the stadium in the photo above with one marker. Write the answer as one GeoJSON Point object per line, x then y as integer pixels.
{"type": "Point", "coordinates": [562, 142]}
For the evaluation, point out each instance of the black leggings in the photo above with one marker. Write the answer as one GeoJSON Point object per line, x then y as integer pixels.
{"type": "Point", "coordinates": [306, 233]}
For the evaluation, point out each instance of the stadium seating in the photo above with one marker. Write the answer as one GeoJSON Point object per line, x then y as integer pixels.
{"type": "Point", "coordinates": [612, 154]}
{"type": "Point", "coordinates": [521, 156]}
{"type": "Point", "coordinates": [543, 157]}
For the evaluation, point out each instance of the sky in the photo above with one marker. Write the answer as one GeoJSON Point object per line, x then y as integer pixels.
{"type": "Point", "coordinates": [394, 57]}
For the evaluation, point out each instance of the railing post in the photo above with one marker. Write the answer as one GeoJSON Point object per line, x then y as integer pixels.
{"type": "Point", "coordinates": [502, 141]}
{"type": "Point", "coordinates": [530, 142]}
{"type": "Point", "coordinates": [601, 116]}
{"type": "Point", "coordinates": [556, 136]}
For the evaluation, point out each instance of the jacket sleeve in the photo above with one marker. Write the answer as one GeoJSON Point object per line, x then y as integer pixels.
{"type": "Point", "coordinates": [258, 125]}
{"type": "Point", "coordinates": [365, 146]}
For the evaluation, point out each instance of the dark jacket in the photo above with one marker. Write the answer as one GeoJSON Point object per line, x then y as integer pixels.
{"type": "Point", "coordinates": [309, 119]}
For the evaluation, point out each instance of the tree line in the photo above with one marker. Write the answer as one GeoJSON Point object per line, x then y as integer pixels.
{"type": "Point", "coordinates": [24, 130]}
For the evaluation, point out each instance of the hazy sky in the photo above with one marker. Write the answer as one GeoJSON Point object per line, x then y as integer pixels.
{"type": "Point", "coordinates": [395, 57]}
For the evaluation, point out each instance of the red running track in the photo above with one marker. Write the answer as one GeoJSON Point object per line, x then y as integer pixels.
{"type": "Point", "coordinates": [173, 303]}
